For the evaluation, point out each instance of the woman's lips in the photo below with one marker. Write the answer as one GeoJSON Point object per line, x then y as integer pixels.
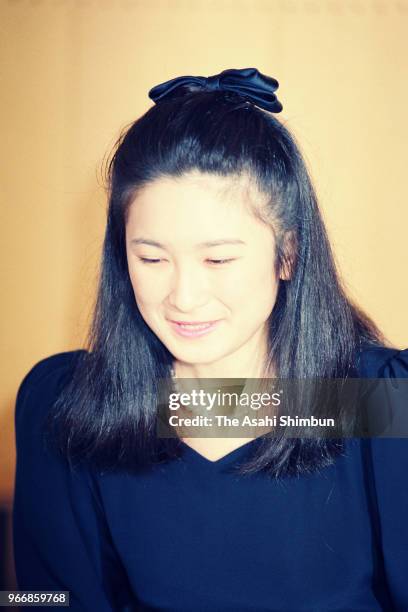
{"type": "Point", "coordinates": [190, 330]}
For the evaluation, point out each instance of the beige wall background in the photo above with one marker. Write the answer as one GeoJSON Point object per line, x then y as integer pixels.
{"type": "Point", "coordinates": [76, 71]}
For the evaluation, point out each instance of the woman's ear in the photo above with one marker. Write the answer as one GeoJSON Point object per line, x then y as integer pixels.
{"type": "Point", "coordinates": [289, 256]}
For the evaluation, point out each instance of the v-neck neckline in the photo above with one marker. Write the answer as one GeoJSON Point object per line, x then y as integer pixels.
{"type": "Point", "coordinates": [229, 458]}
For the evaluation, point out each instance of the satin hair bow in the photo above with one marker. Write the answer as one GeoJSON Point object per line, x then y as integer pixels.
{"type": "Point", "coordinates": [247, 82]}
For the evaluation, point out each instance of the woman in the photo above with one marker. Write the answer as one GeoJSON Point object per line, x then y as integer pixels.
{"type": "Point", "coordinates": [216, 264]}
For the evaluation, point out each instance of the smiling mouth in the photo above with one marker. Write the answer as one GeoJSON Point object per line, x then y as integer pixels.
{"type": "Point", "coordinates": [184, 328]}
{"type": "Point", "coordinates": [193, 323]}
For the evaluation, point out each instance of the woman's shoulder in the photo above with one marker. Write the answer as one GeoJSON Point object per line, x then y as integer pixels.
{"type": "Point", "coordinates": [385, 396]}
{"type": "Point", "coordinates": [377, 361]}
{"type": "Point", "coordinates": [43, 382]}
{"type": "Point", "coordinates": [50, 366]}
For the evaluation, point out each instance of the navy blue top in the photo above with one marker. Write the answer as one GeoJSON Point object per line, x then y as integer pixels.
{"type": "Point", "coordinates": [190, 536]}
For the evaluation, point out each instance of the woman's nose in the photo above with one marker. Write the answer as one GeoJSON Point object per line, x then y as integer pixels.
{"type": "Point", "coordinates": [188, 289]}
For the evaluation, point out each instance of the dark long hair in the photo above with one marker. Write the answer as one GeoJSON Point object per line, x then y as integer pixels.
{"type": "Point", "coordinates": [107, 411]}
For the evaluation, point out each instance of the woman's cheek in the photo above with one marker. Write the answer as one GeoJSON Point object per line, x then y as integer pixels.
{"type": "Point", "coordinates": [148, 289]}
{"type": "Point", "coordinates": [260, 287]}
{"type": "Point", "coordinates": [227, 287]}
{"type": "Point", "coordinates": [252, 277]}
{"type": "Point", "coordinates": [262, 276]}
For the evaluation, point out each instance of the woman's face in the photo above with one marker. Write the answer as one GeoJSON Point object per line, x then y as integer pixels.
{"type": "Point", "coordinates": [198, 255]}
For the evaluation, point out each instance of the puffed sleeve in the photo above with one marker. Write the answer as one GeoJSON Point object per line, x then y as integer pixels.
{"type": "Point", "coordinates": [61, 540]}
{"type": "Point", "coordinates": [387, 463]}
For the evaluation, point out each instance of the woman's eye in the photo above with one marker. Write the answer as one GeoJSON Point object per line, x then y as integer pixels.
{"type": "Point", "coordinates": [220, 261]}
{"type": "Point", "coordinates": [146, 260]}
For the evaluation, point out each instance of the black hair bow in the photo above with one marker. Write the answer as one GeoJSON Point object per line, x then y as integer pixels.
{"type": "Point", "coordinates": [247, 82]}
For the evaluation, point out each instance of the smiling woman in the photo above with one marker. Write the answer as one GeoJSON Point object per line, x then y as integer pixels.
{"type": "Point", "coordinates": [205, 278]}
{"type": "Point", "coordinates": [215, 266]}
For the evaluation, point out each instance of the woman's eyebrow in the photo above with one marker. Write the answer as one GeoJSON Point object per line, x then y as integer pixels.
{"type": "Point", "coordinates": [209, 243]}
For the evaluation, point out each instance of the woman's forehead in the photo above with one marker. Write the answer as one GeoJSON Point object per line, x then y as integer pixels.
{"type": "Point", "coordinates": [235, 189]}
{"type": "Point", "coordinates": [195, 210]}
